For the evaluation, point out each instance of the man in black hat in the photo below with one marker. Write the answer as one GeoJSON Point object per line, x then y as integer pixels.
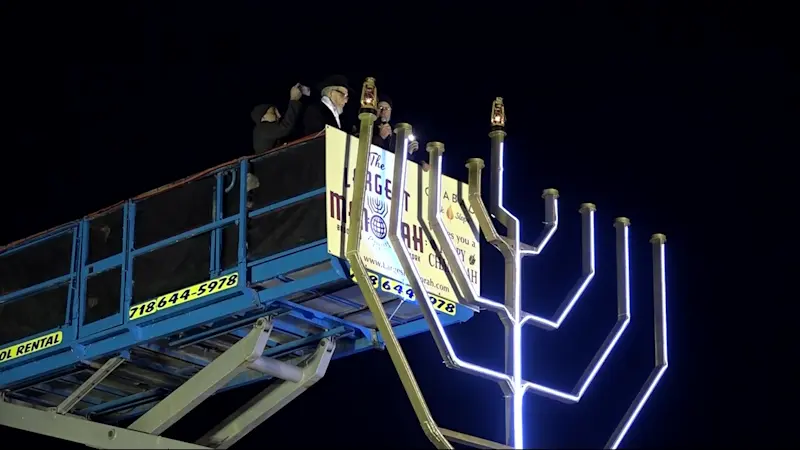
{"type": "Point", "coordinates": [271, 127]}
{"type": "Point", "coordinates": [334, 93]}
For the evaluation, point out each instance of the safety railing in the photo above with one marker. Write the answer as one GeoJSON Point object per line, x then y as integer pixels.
{"type": "Point", "coordinates": [111, 269]}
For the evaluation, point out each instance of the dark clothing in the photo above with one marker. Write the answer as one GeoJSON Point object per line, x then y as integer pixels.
{"type": "Point", "coordinates": [389, 143]}
{"type": "Point", "coordinates": [267, 135]}
{"type": "Point", "coordinates": [386, 144]}
{"type": "Point", "coordinates": [418, 156]}
{"type": "Point", "coordinates": [316, 117]}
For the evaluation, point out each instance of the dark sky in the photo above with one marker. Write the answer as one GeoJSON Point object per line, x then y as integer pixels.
{"type": "Point", "coordinates": [670, 116]}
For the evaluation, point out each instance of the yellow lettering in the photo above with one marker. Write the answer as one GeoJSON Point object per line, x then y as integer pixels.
{"type": "Point", "coordinates": [30, 346]}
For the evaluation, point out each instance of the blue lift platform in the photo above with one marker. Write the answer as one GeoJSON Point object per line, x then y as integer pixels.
{"type": "Point", "coordinates": [144, 309]}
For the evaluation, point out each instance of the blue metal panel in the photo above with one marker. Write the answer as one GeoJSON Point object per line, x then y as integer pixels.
{"type": "Point", "coordinates": [115, 340]}
{"type": "Point", "coordinates": [33, 360]}
{"type": "Point", "coordinates": [313, 313]}
{"type": "Point", "coordinates": [287, 202]}
{"type": "Point", "coordinates": [107, 263]}
{"type": "Point", "coordinates": [216, 235]}
{"type": "Point", "coordinates": [130, 227]}
{"type": "Point", "coordinates": [36, 288]}
{"type": "Point", "coordinates": [55, 232]}
{"type": "Point", "coordinates": [69, 326]}
{"type": "Point", "coordinates": [290, 262]}
{"type": "Point", "coordinates": [183, 236]}
{"type": "Point", "coordinates": [80, 301]}
{"type": "Point", "coordinates": [98, 267]}
{"type": "Point", "coordinates": [242, 221]}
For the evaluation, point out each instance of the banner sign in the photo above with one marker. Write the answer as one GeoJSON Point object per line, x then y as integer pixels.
{"type": "Point", "coordinates": [376, 250]}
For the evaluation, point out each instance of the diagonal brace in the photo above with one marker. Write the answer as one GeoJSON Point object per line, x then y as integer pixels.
{"type": "Point", "coordinates": [473, 441]}
{"type": "Point", "coordinates": [206, 382]}
{"type": "Point", "coordinates": [96, 378]}
{"type": "Point", "coordinates": [269, 401]}
{"type": "Point", "coordinates": [82, 431]}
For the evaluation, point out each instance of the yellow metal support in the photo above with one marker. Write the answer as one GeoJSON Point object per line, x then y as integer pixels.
{"type": "Point", "coordinates": [474, 441]}
{"type": "Point", "coordinates": [367, 117]}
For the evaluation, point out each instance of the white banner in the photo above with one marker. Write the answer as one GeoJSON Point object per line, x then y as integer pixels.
{"type": "Point", "coordinates": [376, 250]}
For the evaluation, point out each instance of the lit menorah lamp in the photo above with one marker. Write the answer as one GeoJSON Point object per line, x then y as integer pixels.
{"type": "Point", "coordinates": [369, 94]}
{"type": "Point", "coordinates": [498, 113]}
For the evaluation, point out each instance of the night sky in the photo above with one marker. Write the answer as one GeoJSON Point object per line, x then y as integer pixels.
{"type": "Point", "coordinates": [668, 116]}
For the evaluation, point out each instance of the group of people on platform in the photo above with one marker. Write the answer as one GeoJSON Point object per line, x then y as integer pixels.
{"type": "Point", "coordinates": [273, 128]}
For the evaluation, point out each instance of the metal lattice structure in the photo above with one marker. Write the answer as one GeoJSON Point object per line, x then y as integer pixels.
{"type": "Point", "coordinates": [97, 326]}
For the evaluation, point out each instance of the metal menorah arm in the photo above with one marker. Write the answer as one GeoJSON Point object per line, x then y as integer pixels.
{"type": "Point", "coordinates": [475, 165]}
{"type": "Point", "coordinates": [658, 242]}
{"type": "Point", "coordinates": [587, 211]}
{"type": "Point", "coordinates": [440, 338]}
{"type": "Point", "coordinates": [445, 243]}
{"type": "Point", "coordinates": [503, 215]}
{"type": "Point", "coordinates": [367, 116]}
{"type": "Point", "coordinates": [623, 320]}
{"type": "Point", "coordinates": [550, 225]}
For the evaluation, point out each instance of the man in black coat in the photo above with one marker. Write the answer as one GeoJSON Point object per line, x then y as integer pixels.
{"type": "Point", "coordinates": [328, 110]}
{"type": "Point", "coordinates": [383, 134]}
{"type": "Point", "coordinates": [271, 127]}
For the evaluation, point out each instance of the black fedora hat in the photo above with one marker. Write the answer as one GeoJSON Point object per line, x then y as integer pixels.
{"type": "Point", "coordinates": [334, 80]}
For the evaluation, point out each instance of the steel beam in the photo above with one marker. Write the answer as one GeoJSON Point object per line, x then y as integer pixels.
{"type": "Point", "coordinates": [206, 382]}
{"type": "Point", "coordinates": [473, 441]}
{"type": "Point", "coordinates": [81, 391]}
{"type": "Point", "coordinates": [269, 401]}
{"type": "Point", "coordinates": [82, 431]}
{"type": "Point", "coordinates": [278, 369]}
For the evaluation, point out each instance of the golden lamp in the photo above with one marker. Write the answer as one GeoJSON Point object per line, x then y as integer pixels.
{"type": "Point", "coordinates": [498, 113]}
{"type": "Point", "coordinates": [369, 94]}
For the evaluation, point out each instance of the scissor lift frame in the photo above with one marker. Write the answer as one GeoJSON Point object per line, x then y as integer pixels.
{"type": "Point", "coordinates": [105, 345]}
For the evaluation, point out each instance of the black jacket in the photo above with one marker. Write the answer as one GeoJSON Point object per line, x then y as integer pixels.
{"type": "Point", "coordinates": [386, 144]}
{"type": "Point", "coordinates": [316, 117]}
{"type": "Point", "coordinates": [266, 135]}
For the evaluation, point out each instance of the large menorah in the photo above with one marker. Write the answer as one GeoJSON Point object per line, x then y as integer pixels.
{"type": "Point", "coordinates": [510, 312]}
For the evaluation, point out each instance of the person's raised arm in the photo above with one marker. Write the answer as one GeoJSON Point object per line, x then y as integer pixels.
{"type": "Point", "coordinates": [293, 110]}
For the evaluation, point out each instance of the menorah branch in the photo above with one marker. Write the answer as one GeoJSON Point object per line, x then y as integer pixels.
{"type": "Point", "coordinates": [658, 242]}
{"type": "Point", "coordinates": [367, 116]}
{"type": "Point", "coordinates": [503, 215]}
{"type": "Point", "coordinates": [587, 211]}
{"type": "Point", "coordinates": [550, 224]}
{"type": "Point", "coordinates": [440, 338]}
{"type": "Point", "coordinates": [445, 244]}
{"type": "Point", "coordinates": [623, 319]}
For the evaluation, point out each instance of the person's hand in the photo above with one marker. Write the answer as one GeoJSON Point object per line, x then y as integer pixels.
{"type": "Point", "coordinates": [413, 147]}
{"type": "Point", "coordinates": [425, 166]}
{"type": "Point", "coordinates": [385, 130]}
{"type": "Point", "coordinates": [305, 90]}
{"type": "Point", "coordinates": [295, 93]}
